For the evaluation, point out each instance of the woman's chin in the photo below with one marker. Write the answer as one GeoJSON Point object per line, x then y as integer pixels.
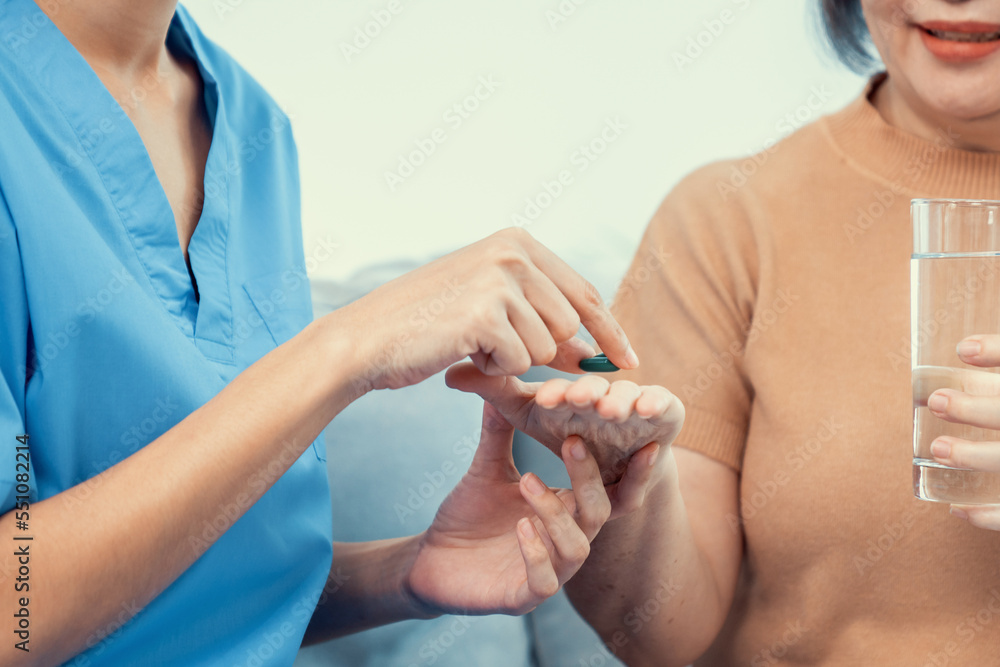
{"type": "Point", "coordinates": [960, 101]}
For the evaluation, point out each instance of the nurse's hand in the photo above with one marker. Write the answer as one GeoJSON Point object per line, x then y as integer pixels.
{"type": "Point", "coordinates": [615, 419]}
{"type": "Point", "coordinates": [503, 543]}
{"type": "Point", "coordinates": [506, 302]}
{"type": "Point", "coordinates": [978, 407]}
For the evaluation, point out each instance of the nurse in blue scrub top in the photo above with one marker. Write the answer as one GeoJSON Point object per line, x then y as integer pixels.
{"type": "Point", "coordinates": [163, 490]}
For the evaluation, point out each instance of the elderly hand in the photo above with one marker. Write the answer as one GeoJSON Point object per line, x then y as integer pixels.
{"type": "Point", "coordinates": [614, 419]}
{"type": "Point", "coordinates": [503, 543]}
{"type": "Point", "coordinates": [978, 405]}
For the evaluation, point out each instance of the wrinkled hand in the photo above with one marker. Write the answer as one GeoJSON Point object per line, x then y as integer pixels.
{"type": "Point", "coordinates": [978, 405]}
{"type": "Point", "coordinates": [503, 543]}
{"type": "Point", "coordinates": [615, 420]}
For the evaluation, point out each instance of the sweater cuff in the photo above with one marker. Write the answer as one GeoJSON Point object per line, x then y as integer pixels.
{"type": "Point", "coordinates": [714, 436]}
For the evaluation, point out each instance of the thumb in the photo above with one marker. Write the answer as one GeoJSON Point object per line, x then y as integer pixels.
{"type": "Point", "coordinates": [508, 394]}
{"type": "Point", "coordinates": [570, 353]}
{"type": "Point", "coordinates": [466, 377]}
{"type": "Point", "coordinates": [495, 454]}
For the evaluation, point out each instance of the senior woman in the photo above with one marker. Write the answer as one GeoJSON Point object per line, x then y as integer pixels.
{"type": "Point", "coordinates": [164, 494]}
{"type": "Point", "coordinates": [783, 528]}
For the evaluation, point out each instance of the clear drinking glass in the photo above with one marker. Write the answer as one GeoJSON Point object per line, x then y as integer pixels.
{"type": "Point", "coordinates": [954, 293]}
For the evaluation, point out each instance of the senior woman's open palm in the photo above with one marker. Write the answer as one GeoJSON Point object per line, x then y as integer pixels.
{"type": "Point", "coordinates": [615, 419]}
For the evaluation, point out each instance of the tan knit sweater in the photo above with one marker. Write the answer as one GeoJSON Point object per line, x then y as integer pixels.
{"type": "Point", "coordinates": [771, 294]}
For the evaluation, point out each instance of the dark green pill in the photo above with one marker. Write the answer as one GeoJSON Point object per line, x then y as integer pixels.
{"type": "Point", "coordinates": [598, 364]}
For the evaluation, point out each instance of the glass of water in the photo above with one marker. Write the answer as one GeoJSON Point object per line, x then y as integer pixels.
{"type": "Point", "coordinates": [954, 293]}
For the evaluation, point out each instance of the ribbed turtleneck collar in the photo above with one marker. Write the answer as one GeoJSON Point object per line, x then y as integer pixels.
{"type": "Point", "coordinates": [925, 168]}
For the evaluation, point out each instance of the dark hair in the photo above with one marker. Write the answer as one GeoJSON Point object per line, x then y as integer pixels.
{"type": "Point", "coordinates": [847, 34]}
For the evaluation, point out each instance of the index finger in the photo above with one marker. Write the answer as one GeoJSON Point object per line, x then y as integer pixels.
{"type": "Point", "coordinates": [593, 507]}
{"type": "Point", "coordinates": [587, 301]}
{"type": "Point", "coordinates": [928, 379]}
{"type": "Point", "coordinates": [980, 350]}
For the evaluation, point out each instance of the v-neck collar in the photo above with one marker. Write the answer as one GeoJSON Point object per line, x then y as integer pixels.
{"type": "Point", "coordinates": [111, 142]}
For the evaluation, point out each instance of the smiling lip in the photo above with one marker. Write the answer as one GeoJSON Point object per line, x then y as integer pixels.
{"type": "Point", "coordinates": [961, 41]}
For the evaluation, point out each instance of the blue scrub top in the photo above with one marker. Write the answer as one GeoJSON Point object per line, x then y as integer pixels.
{"type": "Point", "coordinates": [104, 345]}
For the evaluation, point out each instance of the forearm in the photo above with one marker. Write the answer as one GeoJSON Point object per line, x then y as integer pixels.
{"type": "Point", "coordinates": [121, 540]}
{"type": "Point", "coordinates": [646, 587]}
{"type": "Point", "coordinates": [366, 589]}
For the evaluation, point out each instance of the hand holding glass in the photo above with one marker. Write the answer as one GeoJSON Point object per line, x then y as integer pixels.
{"type": "Point", "coordinates": [954, 293]}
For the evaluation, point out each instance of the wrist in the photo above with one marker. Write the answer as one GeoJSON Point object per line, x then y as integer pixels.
{"type": "Point", "coordinates": [374, 588]}
{"type": "Point", "coordinates": [415, 606]}
{"type": "Point", "coordinates": [664, 467]}
{"type": "Point", "coordinates": [338, 335]}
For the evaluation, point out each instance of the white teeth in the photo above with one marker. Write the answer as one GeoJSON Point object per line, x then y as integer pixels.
{"type": "Point", "coordinates": [965, 36]}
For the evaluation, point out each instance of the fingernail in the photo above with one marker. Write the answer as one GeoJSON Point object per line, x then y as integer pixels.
{"type": "Point", "coordinates": [631, 358]}
{"type": "Point", "coordinates": [534, 485]}
{"type": "Point", "coordinates": [577, 451]}
{"type": "Point", "coordinates": [938, 403]}
{"type": "Point", "coordinates": [969, 348]}
{"type": "Point", "coordinates": [941, 449]}
{"type": "Point", "coordinates": [526, 528]}
{"type": "Point", "coordinates": [655, 454]}
{"type": "Point", "coordinates": [959, 513]}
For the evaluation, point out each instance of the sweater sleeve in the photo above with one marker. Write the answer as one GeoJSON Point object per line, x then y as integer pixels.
{"type": "Point", "coordinates": [687, 305]}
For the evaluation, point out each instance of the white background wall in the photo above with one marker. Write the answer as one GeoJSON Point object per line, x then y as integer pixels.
{"type": "Point", "coordinates": [563, 69]}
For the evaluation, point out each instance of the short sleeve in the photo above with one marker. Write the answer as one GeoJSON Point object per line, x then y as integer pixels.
{"type": "Point", "coordinates": [687, 303]}
{"type": "Point", "coordinates": [13, 355]}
